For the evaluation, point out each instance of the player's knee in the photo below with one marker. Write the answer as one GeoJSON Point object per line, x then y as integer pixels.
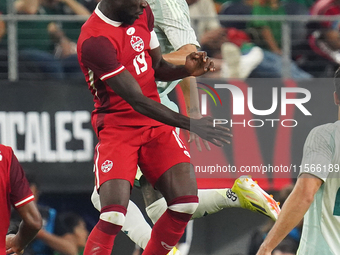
{"type": "Point", "coordinates": [112, 218]}
{"type": "Point", "coordinates": [156, 209]}
{"type": "Point", "coordinates": [184, 204]}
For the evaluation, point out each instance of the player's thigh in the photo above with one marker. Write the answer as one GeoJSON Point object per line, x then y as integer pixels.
{"type": "Point", "coordinates": [162, 149]}
{"type": "Point", "coordinates": [150, 195]}
{"type": "Point", "coordinates": [115, 192]}
{"type": "Point", "coordinates": [166, 153]}
{"type": "Point", "coordinates": [178, 181]}
{"type": "Point", "coordinates": [115, 162]}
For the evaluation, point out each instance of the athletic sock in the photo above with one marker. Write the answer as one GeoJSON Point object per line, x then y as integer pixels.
{"type": "Point", "coordinates": [135, 226]}
{"type": "Point", "coordinates": [170, 227]}
{"type": "Point", "coordinates": [101, 239]}
{"type": "Point", "coordinates": [214, 200]}
{"type": "Point", "coordinates": [156, 209]}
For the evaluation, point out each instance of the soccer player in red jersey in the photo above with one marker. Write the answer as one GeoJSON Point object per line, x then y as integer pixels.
{"type": "Point", "coordinates": [120, 56]}
{"type": "Point", "coordinates": [14, 190]}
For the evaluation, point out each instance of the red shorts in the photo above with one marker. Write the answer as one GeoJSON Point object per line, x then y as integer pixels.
{"type": "Point", "coordinates": [120, 149]}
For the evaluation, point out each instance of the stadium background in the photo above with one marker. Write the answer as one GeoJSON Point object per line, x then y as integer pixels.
{"type": "Point", "coordinates": [67, 180]}
{"type": "Point", "coordinates": [47, 122]}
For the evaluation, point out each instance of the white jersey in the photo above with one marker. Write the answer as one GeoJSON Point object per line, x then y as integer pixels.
{"type": "Point", "coordinates": [173, 29]}
{"type": "Point", "coordinates": [321, 158]}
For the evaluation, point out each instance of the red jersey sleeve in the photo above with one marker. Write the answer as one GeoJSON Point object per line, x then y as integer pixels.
{"type": "Point", "coordinates": [21, 193]}
{"type": "Point", "coordinates": [154, 43]}
{"type": "Point", "coordinates": [150, 17]}
{"type": "Point", "coordinates": [99, 55]}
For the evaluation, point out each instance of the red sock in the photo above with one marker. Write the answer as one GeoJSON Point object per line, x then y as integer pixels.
{"type": "Point", "coordinates": [169, 228]}
{"type": "Point", "coordinates": [101, 239]}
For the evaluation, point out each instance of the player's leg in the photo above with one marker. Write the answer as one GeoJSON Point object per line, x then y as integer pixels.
{"type": "Point", "coordinates": [245, 194]}
{"type": "Point", "coordinates": [179, 188]}
{"type": "Point", "coordinates": [114, 197]}
{"type": "Point", "coordinates": [115, 168]}
{"type": "Point", "coordinates": [135, 226]}
{"type": "Point", "coordinates": [210, 201]}
{"type": "Point", "coordinates": [150, 195]}
{"type": "Point", "coordinates": [165, 162]}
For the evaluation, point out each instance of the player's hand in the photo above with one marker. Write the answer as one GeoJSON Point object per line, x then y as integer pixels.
{"type": "Point", "coordinates": [11, 247]}
{"type": "Point", "coordinates": [196, 138]}
{"type": "Point", "coordinates": [217, 135]}
{"type": "Point", "coordinates": [197, 63]}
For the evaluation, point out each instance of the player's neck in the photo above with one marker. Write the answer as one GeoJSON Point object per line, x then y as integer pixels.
{"type": "Point", "coordinates": [106, 8]}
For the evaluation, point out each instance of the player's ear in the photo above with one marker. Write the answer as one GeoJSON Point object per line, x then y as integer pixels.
{"type": "Point", "coordinates": [336, 98]}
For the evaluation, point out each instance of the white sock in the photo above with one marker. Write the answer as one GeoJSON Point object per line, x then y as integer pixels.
{"type": "Point", "coordinates": [95, 199]}
{"type": "Point", "coordinates": [135, 226]}
{"type": "Point", "coordinates": [214, 200]}
{"type": "Point", "coordinates": [156, 209]}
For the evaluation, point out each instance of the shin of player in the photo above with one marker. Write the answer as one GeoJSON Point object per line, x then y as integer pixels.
{"type": "Point", "coordinates": [174, 219]}
{"type": "Point", "coordinates": [100, 241]}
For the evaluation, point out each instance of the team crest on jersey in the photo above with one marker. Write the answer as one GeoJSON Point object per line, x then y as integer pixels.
{"type": "Point", "coordinates": [106, 166]}
{"type": "Point", "coordinates": [137, 43]}
{"type": "Point", "coordinates": [130, 31]}
{"type": "Point", "coordinates": [0, 156]}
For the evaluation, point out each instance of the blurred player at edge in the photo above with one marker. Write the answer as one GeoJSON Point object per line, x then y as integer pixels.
{"type": "Point", "coordinates": [119, 54]}
{"type": "Point", "coordinates": [316, 194]}
{"type": "Point", "coordinates": [15, 191]}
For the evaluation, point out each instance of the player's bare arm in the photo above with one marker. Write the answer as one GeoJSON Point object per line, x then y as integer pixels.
{"type": "Point", "coordinates": [189, 89]}
{"type": "Point", "coordinates": [292, 211]}
{"type": "Point", "coordinates": [133, 95]}
{"type": "Point", "coordinates": [178, 57]}
{"type": "Point", "coordinates": [29, 227]}
{"type": "Point", "coordinates": [190, 93]}
{"type": "Point", "coordinates": [196, 64]}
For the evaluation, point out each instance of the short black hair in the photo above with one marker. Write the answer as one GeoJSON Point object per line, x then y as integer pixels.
{"type": "Point", "coordinates": [337, 81]}
{"type": "Point", "coordinates": [66, 222]}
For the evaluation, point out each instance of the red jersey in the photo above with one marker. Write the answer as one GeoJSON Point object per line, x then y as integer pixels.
{"type": "Point", "coordinates": [14, 189]}
{"type": "Point", "coordinates": [106, 48]}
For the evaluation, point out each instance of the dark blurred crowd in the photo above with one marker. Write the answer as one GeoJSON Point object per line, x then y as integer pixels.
{"type": "Point", "coordinates": [241, 49]}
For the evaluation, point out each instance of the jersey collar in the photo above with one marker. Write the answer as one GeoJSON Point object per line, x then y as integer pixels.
{"type": "Point", "coordinates": [106, 19]}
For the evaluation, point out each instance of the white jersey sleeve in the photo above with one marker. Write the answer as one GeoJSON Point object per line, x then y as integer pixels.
{"type": "Point", "coordinates": [317, 152]}
{"type": "Point", "coordinates": [154, 43]}
{"type": "Point", "coordinates": [172, 24]}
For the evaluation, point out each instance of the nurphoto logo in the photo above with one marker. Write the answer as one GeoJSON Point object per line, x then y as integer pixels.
{"type": "Point", "coordinates": [279, 98]}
